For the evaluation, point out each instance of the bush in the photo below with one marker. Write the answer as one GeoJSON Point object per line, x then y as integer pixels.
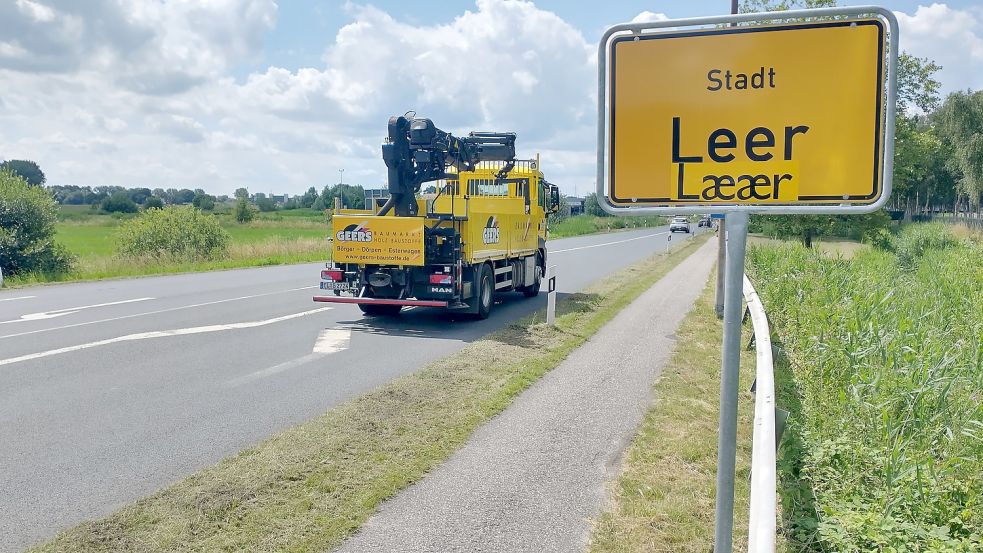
{"type": "Point", "coordinates": [180, 233]}
{"type": "Point", "coordinates": [914, 240]}
{"type": "Point", "coordinates": [243, 212]}
{"type": "Point", "coordinates": [265, 205]}
{"type": "Point", "coordinates": [153, 202]}
{"type": "Point", "coordinates": [27, 225]}
{"type": "Point", "coordinates": [119, 202]}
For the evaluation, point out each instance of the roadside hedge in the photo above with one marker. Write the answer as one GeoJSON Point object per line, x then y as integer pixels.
{"type": "Point", "coordinates": [27, 228]}
{"type": "Point", "coordinates": [178, 233]}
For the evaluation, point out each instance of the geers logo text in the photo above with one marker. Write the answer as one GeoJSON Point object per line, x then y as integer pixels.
{"type": "Point", "coordinates": [355, 233]}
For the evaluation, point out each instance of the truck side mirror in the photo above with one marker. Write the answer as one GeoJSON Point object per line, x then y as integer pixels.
{"type": "Point", "coordinates": [554, 199]}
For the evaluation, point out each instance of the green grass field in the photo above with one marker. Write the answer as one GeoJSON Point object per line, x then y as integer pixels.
{"type": "Point", "coordinates": [286, 236]}
{"type": "Point", "coordinates": [293, 236]}
{"type": "Point", "coordinates": [881, 366]}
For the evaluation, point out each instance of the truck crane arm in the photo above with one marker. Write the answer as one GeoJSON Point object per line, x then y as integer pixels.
{"type": "Point", "coordinates": [416, 151]}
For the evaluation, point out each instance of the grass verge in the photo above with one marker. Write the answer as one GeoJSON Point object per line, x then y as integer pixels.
{"type": "Point", "coordinates": [311, 486]}
{"type": "Point", "coordinates": [882, 369]}
{"type": "Point", "coordinates": [664, 499]}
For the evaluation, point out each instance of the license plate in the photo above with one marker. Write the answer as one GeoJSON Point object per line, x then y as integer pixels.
{"type": "Point", "coordinates": [332, 285]}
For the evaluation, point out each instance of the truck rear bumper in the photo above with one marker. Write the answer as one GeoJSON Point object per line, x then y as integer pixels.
{"type": "Point", "coordinates": [380, 301]}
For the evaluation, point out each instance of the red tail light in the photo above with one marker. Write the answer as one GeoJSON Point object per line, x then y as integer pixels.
{"type": "Point", "coordinates": [440, 278]}
{"type": "Point", "coordinates": [334, 275]}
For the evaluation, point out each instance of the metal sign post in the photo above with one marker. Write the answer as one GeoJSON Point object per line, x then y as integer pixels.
{"type": "Point", "coordinates": [789, 112]}
{"type": "Point", "coordinates": [730, 381]}
{"type": "Point", "coordinates": [718, 303]}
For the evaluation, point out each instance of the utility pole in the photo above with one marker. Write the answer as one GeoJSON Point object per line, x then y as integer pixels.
{"type": "Point", "coordinates": [341, 179]}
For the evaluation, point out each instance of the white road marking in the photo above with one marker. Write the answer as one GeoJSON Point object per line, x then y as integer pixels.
{"type": "Point", "coordinates": [332, 339]}
{"type": "Point", "coordinates": [275, 369]}
{"type": "Point", "coordinates": [18, 298]}
{"type": "Point", "coordinates": [67, 311]}
{"type": "Point", "coordinates": [169, 309]}
{"type": "Point", "coordinates": [161, 334]}
{"type": "Point", "coordinates": [608, 243]}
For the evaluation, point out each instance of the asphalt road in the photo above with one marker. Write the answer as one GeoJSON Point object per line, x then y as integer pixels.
{"type": "Point", "coordinates": [110, 390]}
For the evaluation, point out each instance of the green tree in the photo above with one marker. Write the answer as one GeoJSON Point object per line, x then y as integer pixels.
{"type": "Point", "coordinates": [265, 204]}
{"type": "Point", "coordinates": [203, 201]}
{"type": "Point", "coordinates": [592, 207]}
{"type": "Point", "coordinates": [140, 195]}
{"type": "Point", "coordinates": [27, 228]}
{"type": "Point", "coordinates": [309, 197]}
{"type": "Point", "coordinates": [752, 6]}
{"type": "Point", "coordinates": [28, 170]}
{"type": "Point", "coordinates": [183, 196]}
{"type": "Point", "coordinates": [243, 211]}
{"type": "Point", "coordinates": [119, 202]}
{"type": "Point", "coordinates": [961, 126]}
{"type": "Point", "coordinates": [153, 202]}
{"type": "Point", "coordinates": [242, 193]}
{"type": "Point", "coordinates": [917, 87]}
{"type": "Point", "coordinates": [352, 196]}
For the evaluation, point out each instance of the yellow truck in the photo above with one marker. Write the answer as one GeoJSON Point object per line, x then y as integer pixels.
{"type": "Point", "coordinates": [480, 231]}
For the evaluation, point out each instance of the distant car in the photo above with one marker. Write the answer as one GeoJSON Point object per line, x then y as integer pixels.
{"type": "Point", "coordinates": [679, 224]}
{"type": "Point", "coordinates": [705, 222]}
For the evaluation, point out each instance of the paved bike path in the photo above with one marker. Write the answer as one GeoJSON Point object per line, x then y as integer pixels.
{"type": "Point", "coordinates": [533, 478]}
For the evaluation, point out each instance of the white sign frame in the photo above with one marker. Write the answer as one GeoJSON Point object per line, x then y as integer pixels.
{"type": "Point", "coordinates": [629, 29]}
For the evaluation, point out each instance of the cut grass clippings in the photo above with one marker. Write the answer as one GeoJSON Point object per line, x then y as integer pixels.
{"type": "Point", "coordinates": [664, 499]}
{"type": "Point", "coordinates": [310, 487]}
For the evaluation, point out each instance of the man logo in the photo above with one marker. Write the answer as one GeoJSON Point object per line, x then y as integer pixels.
{"type": "Point", "coordinates": [490, 234]}
{"type": "Point", "coordinates": [355, 233]}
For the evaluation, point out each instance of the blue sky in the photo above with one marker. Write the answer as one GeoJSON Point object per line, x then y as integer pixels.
{"type": "Point", "coordinates": [306, 27]}
{"type": "Point", "coordinates": [278, 95]}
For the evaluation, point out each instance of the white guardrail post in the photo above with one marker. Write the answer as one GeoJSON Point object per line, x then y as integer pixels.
{"type": "Point", "coordinates": [763, 515]}
{"type": "Point", "coordinates": [551, 295]}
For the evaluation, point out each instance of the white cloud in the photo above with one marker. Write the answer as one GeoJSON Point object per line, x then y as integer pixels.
{"type": "Point", "coordinates": [649, 17]}
{"type": "Point", "coordinates": [37, 12]}
{"type": "Point", "coordinates": [143, 92]}
{"type": "Point", "coordinates": [952, 38]}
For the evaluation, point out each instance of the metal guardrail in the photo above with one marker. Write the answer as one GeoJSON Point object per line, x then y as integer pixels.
{"type": "Point", "coordinates": [763, 516]}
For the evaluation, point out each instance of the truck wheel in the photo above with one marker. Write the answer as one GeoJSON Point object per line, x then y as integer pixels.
{"type": "Point", "coordinates": [486, 291]}
{"type": "Point", "coordinates": [533, 291]}
{"type": "Point", "coordinates": [377, 310]}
